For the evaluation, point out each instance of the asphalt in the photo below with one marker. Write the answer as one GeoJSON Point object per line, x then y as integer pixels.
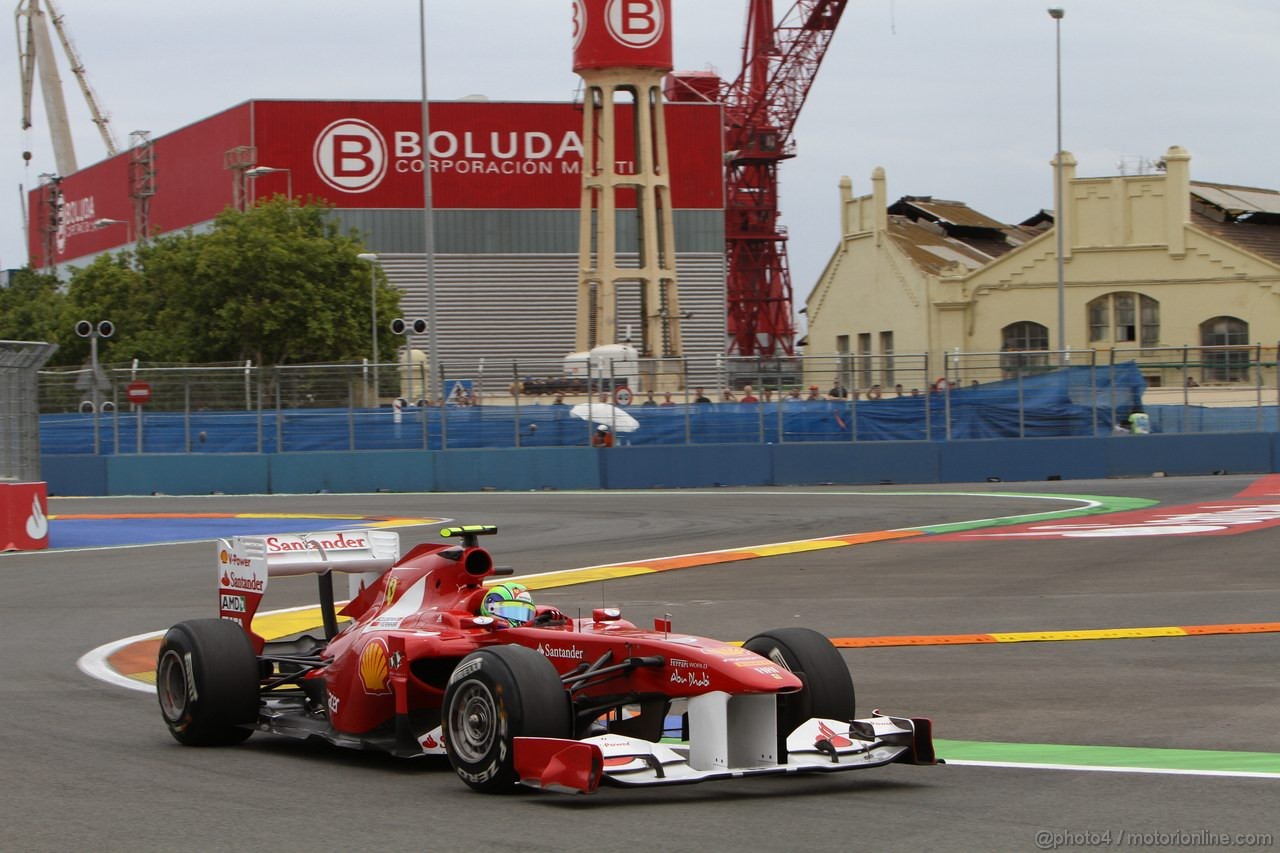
{"type": "Point", "coordinates": [90, 766]}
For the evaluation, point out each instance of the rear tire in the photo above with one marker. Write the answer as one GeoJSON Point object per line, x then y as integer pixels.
{"type": "Point", "coordinates": [828, 687]}
{"type": "Point", "coordinates": [494, 696]}
{"type": "Point", "coordinates": [207, 681]}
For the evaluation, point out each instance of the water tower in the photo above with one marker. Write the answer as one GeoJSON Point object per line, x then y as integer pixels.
{"type": "Point", "coordinates": [622, 50]}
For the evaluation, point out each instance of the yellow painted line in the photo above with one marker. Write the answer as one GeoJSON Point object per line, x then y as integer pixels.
{"type": "Point", "coordinates": [577, 576]}
{"type": "Point", "coordinates": [795, 547]}
{"type": "Point", "coordinates": [1103, 634]}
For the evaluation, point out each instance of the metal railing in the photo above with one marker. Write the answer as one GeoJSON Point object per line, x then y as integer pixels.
{"type": "Point", "coordinates": [488, 403]}
{"type": "Point", "coordinates": [19, 418]}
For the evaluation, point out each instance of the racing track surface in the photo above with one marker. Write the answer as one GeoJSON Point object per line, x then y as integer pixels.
{"type": "Point", "coordinates": [89, 766]}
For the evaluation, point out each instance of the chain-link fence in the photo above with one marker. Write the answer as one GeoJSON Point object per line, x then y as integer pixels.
{"type": "Point", "coordinates": [19, 410]}
{"type": "Point", "coordinates": [490, 404]}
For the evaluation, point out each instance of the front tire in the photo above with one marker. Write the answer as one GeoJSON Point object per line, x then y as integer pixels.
{"type": "Point", "coordinates": [828, 687]}
{"type": "Point", "coordinates": [494, 696]}
{"type": "Point", "coordinates": [207, 683]}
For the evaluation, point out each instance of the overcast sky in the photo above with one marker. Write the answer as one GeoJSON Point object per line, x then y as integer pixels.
{"type": "Point", "coordinates": [954, 98]}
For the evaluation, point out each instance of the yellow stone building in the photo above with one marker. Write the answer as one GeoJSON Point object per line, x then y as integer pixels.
{"type": "Point", "coordinates": [1150, 260]}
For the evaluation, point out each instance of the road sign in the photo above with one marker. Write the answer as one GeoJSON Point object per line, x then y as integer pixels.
{"type": "Point", "coordinates": [622, 396]}
{"type": "Point", "coordinates": [139, 392]}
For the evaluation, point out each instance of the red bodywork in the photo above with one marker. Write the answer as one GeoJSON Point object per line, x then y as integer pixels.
{"type": "Point", "coordinates": [413, 626]}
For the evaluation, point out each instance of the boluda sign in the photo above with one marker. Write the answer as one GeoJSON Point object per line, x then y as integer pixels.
{"type": "Point", "coordinates": [482, 155]}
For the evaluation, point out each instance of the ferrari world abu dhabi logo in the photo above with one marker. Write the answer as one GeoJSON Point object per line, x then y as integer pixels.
{"type": "Point", "coordinates": [579, 22]}
{"type": "Point", "coordinates": [635, 23]}
{"type": "Point", "coordinates": [350, 155]}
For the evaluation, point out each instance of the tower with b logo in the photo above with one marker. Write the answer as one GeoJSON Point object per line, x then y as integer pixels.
{"type": "Point", "coordinates": [622, 50]}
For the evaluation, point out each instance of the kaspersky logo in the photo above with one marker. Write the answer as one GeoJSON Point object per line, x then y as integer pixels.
{"type": "Point", "coordinates": [351, 155]}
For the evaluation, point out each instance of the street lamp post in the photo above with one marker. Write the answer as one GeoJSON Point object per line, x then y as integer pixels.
{"type": "Point", "coordinates": [428, 228]}
{"type": "Point", "coordinates": [99, 224]}
{"type": "Point", "coordinates": [258, 171]}
{"type": "Point", "coordinates": [373, 312]}
{"type": "Point", "coordinates": [1059, 204]}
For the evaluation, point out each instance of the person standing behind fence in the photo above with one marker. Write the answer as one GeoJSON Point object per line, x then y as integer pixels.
{"type": "Point", "coordinates": [699, 397]}
{"type": "Point", "coordinates": [1140, 422]}
{"type": "Point", "coordinates": [666, 399]}
{"type": "Point", "coordinates": [748, 396]}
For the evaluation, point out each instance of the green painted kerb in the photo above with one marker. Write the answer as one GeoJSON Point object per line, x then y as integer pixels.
{"type": "Point", "coordinates": [1097, 504]}
{"type": "Point", "coordinates": [1110, 756]}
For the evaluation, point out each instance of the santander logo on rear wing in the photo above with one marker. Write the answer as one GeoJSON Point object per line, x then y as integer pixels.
{"type": "Point", "coordinates": [247, 563]}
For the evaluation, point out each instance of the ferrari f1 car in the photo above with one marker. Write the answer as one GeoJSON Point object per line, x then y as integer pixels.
{"type": "Point", "coordinates": [552, 702]}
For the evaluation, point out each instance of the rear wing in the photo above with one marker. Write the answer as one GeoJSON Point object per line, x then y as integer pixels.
{"type": "Point", "coordinates": [247, 563]}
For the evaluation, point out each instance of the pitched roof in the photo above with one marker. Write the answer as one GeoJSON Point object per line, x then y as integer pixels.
{"type": "Point", "coordinates": [1248, 217]}
{"type": "Point", "coordinates": [937, 233]}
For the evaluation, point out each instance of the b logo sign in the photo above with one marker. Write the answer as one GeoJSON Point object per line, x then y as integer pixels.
{"type": "Point", "coordinates": [579, 22]}
{"type": "Point", "coordinates": [351, 155]}
{"type": "Point", "coordinates": [635, 23]}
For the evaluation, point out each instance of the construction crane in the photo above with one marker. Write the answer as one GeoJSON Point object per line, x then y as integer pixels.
{"type": "Point", "coordinates": [35, 54]}
{"type": "Point", "coordinates": [780, 61]}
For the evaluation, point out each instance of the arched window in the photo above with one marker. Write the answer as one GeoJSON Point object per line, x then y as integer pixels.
{"type": "Point", "coordinates": [1029, 340]}
{"type": "Point", "coordinates": [1225, 365]}
{"type": "Point", "coordinates": [1124, 318]}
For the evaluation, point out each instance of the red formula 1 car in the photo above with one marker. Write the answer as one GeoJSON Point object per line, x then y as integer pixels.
{"type": "Point", "coordinates": [556, 702]}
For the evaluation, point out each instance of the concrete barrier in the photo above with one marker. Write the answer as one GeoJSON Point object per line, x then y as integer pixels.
{"type": "Point", "coordinates": [1010, 460]}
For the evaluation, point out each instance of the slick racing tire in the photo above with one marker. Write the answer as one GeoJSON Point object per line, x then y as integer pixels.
{"type": "Point", "coordinates": [207, 683]}
{"type": "Point", "coordinates": [828, 687]}
{"type": "Point", "coordinates": [494, 696]}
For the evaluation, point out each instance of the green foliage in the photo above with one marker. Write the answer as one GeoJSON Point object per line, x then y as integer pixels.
{"type": "Point", "coordinates": [31, 309]}
{"type": "Point", "coordinates": [278, 284]}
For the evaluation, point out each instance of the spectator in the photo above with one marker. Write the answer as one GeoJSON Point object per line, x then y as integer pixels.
{"type": "Point", "coordinates": [793, 396]}
{"type": "Point", "coordinates": [838, 391]}
{"type": "Point", "coordinates": [875, 392]}
{"type": "Point", "coordinates": [768, 395]}
{"type": "Point", "coordinates": [559, 400]}
{"type": "Point", "coordinates": [747, 396]}
{"type": "Point", "coordinates": [1140, 421]}
{"type": "Point", "coordinates": [604, 397]}
{"type": "Point", "coordinates": [666, 399]}
{"type": "Point", "coordinates": [973, 384]}
{"type": "Point", "coordinates": [602, 437]}
{"type": "Point", "coordinates": [915, 392]}
{"type": "Point", "coordinates": [813, 393]}
{"type": "Point", "coordinates": [897, 390]}
{"type": "Point", "coordinates": [649, 401]}
{"type": "Point", "coordinates": [1192, 383]}
{"type": "Point", "coordinates": [727, 396]}
{"type": "Point", "coordinates": [699, 397]}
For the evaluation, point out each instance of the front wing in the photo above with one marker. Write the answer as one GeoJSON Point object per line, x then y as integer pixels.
{"type": "Point", "coordinates": [816, 746]}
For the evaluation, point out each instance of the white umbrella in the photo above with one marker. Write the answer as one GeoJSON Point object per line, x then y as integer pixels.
{"type": "Point", "coordinates": [603, 413]}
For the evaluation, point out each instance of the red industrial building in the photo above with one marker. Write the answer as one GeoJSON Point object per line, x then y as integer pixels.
{"type": "Point", "coordinates": [506, 188]}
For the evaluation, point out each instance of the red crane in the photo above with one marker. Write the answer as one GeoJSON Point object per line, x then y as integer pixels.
{"type": "Point", "coordinates": [779, 64]}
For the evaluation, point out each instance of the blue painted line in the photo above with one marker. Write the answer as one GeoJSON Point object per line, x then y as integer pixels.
{"type": "Point", "coordinates": [112, 532]}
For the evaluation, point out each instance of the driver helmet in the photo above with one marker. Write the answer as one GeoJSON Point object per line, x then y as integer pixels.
{"type": "Point", "coordinates": [510, 602]}
{"type": "Point", "coordinates": [603, 427]}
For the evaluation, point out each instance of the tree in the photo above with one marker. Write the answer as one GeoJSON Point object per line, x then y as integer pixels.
{"type": "Point", "coordinates": [277, 284]}
{"type": "Point", "coordinates": [31, 309]}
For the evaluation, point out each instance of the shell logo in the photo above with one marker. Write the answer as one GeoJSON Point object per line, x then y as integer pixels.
{"type": "Point", "coordinates": [222, 555]}
{"type": "Point", "coordinates": [374, 670]}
